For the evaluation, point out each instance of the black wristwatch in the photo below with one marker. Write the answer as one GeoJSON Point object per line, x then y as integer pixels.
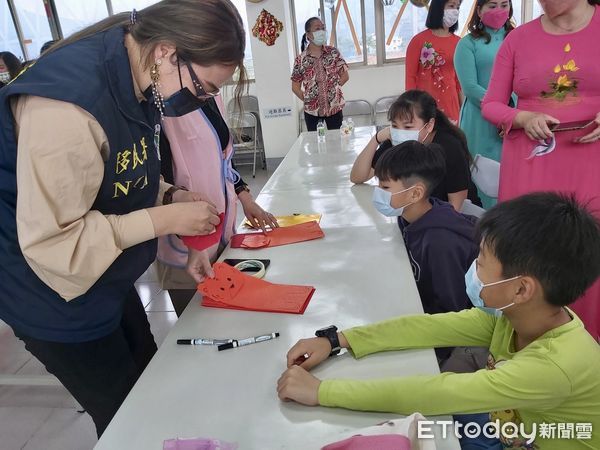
{"type": "Point", "coordinates": [242, 188]}
{"type": "Point", "coordinates": [168, 195]}
{"type": "Point", "coordinates": [330, 333]}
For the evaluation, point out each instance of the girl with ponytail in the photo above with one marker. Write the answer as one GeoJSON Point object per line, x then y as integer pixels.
{"type": "Point", "coordinates": [415, 116]}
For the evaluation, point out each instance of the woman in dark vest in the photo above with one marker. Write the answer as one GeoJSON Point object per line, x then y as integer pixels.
{"type": "Point", "coordinates": [80, 143]}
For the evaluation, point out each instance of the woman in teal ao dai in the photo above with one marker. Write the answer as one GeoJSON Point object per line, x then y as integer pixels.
{"type": "Point", "coordinates": [473, 62]}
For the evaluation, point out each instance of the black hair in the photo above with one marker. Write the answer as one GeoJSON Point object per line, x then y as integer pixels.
{"type": "Point", "coordinates": [307, 25]}
{"type": "Point", "coordinates": [12, 63]}
{"type": "Point", "coordinates": [477, 29]}
{"type": "Point", "coordinates": [548, 236]}
{"type": "Point", "coordinates": [48, 44]}
{"type": "Point", "coordinates": [412, 161]}
{"type": "Point", "coordinates": [435, 16]}
{"type": "Point", "coordinates": [424, 106]}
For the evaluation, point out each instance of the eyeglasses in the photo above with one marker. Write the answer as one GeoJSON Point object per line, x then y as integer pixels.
{"type": "Point", "coordinates": [200, 91]}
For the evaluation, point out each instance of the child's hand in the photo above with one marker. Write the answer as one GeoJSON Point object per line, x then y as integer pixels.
{"type": "Point", "coordinates": [317, 349]}
{"type": "Point", "coordinates": [298, 385]}
{"type": "Point", "coordinates": [385, 134]}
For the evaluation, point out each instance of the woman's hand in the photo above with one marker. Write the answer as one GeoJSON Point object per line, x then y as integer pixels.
{"type": "Point", "coordinates": [198, 265]}
{"type": "Point", "coordinates": [593, 136]}
{"type": "Point", "coordinates": [187, 196]}
{"type": "Point", "coordinates": [535, 124]}
{"type": "Point", "coordinates": [344, 76]}
{"type": "Point", "coordinates": [184, 218]}
{"type": "Point", "coordinates": [296, 384]}
{"type": "Point", "coordinates": [318, 350]}
{"type": "Point", "coordinates": [258, 217]}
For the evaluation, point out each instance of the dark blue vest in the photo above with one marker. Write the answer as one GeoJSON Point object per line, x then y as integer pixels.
{"type": "Point", "coordinates": [94, 74]}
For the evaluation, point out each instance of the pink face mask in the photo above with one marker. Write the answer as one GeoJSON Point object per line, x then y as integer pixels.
{"type": "Point", "coordinates": [495, 18]}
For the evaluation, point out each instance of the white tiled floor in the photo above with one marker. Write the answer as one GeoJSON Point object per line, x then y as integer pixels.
{"type": "Point", "coordinates": [46, 417]}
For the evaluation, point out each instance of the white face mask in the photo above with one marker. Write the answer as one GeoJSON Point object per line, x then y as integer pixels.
{"type": "Point", "coordinates": [398, 136]}
{"type": "Point", "coordinates": [319, 37]}
{"type": "Point", "coordinates": [4, 77]}
{"type": "Point", "coordinates": [450, 17]}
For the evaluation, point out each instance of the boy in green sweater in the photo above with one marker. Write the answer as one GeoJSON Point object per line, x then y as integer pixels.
{"type": "Point", "coordinates": [538, 253]}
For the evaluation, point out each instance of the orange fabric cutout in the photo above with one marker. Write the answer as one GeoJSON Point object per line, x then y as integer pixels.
{"type": "Point", "coordinates": [278, 236]}
{"type": "Point", "coordinates": [232, 289]}
{"type": "Point", "coordinates": [205, 241]}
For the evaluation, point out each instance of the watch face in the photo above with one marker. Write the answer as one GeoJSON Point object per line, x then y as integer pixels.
{"type": "Point", "coordinates": [330, 330]}
{"type": "Point", "coordinates": [325, 329]}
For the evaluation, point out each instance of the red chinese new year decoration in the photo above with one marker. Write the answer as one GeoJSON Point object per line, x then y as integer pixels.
{"type": "Point", "coordinates": [267, 28]}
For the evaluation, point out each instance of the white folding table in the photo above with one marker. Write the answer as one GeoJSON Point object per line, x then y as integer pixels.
{"type": "Point", "coordinates": [361, 273]}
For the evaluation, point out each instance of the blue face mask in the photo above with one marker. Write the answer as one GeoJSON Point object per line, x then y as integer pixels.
{"type": "Point", "coordinates": [382, 200]}
{"type": "Point", "coordinates": [475, 286]}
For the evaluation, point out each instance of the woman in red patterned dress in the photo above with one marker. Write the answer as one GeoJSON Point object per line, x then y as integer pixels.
{"type": "Point", "coordinates": [430, 58]}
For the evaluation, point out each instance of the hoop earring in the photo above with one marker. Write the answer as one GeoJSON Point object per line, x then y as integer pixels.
{"type": "Point", "coordinates": [155, 78]}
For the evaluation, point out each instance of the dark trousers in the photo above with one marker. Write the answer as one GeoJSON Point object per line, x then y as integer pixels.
{"type": "Point", "coordinates": [333, 122]}
{"type": "Point", "coordinates": [100, 373]}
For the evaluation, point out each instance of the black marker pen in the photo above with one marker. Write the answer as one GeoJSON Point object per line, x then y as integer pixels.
{"type": "Point", "coordinates": [248, 341]}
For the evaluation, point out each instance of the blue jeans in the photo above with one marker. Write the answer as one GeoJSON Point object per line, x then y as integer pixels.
{"type": "Point", "coordinates": [477, 443]}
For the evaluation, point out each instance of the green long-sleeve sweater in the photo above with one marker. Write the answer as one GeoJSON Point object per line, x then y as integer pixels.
{"type": "Point", "coordinates": [554, 380]}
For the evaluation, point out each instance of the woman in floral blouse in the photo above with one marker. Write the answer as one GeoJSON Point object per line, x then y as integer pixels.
{"type": "Point", "coordinates": [318, 76]}
{"type": "Point", "coordinates": [430, 57]}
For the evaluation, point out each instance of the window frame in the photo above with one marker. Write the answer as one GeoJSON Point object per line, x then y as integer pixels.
{"type": "Point", "coordinates": [380, 37]}
{"type": "Point", "coordinates": [55, 28]}
{"type": "Point", "coordinates": [363, 27]}
{"type": "Point", "coordinates": [322, 15]}
{"type": "Point", "coordinates": [17, 25]}
{"type": "Point", "coordinates": [53, 22]}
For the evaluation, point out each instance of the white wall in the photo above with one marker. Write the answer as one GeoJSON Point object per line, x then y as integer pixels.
{"type": "Point", "coordinates": [272, 68]}
{"type": "Point", "coordinates": [272, 85]}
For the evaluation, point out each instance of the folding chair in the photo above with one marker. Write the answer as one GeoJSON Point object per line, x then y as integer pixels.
{"type": "Point", "coordinates": [360, 111]}
{"type": "Point", "coordinates": [245, 129]}
{"type": "Point", "coordinates": [249, 104]}
{"type": "Point", "coordinates": [382, 106]}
